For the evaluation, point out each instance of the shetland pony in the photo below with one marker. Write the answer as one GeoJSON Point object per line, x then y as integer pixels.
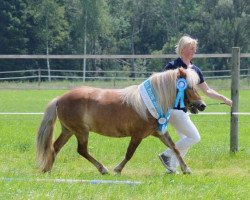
{"type": "Point", "coordinates": [113, 113]}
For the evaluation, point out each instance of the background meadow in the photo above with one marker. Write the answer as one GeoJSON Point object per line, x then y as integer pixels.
{"type": "Point", "coordinates": [217, 173]}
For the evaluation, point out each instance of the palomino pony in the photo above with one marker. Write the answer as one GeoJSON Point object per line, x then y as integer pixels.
{"type": "Point", "coordinates": [110, 112]}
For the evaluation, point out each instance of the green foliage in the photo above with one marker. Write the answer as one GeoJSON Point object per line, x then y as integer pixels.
{"type": "Point", "coordinates": [49, 25]}
{"type": "Point", "coordinates": [14, 37]}
{"type": "Point", "coordinates": [13, 28]}
{"type": "Point", "coordinates": [120, 27]}
{"type": "Point", "coordinates": [225, 26]}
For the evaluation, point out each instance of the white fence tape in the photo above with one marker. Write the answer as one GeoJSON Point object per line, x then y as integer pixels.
{"type": "Point", "coordinates": [224, 113]}
{"type": "Point", "coordinates": [20, 113]}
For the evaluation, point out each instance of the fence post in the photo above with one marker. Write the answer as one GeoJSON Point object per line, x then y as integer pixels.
{"type": "Point", "coordinates": [235, 98]}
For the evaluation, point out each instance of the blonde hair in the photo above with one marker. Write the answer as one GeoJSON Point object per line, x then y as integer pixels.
{"type": "Point", "coordinates": [184, 41]}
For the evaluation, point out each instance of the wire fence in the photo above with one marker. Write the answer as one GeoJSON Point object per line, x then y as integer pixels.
{"type": "Point", "coordinates": [107, 78]}
{"type": "Point", "coordinates": [42, 74]}
{"type": "Point", "coordinates": [61, 79]}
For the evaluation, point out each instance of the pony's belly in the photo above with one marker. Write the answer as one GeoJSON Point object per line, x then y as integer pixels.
{"type": "Point", "coordinates": [111, 134]}
{"type": "Point", "coordinates": [122, 130]}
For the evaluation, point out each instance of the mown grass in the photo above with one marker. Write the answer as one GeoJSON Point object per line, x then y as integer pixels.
{"type": "Point", "coordinates": [222, 83]}
{"type": "Point", "coordinates": [217, 173]}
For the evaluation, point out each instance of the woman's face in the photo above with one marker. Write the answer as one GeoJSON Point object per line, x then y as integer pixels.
{"type": "Point", "coordinates": [188, 51]}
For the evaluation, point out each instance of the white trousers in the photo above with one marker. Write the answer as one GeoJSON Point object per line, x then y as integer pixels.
{"type": "Point", "coordinates": [188, 133]}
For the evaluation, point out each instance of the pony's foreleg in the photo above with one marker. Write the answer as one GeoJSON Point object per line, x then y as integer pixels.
{"type": "Point", "coordinates": [167, 140]}
{"type": "Point", "coordinates": [134, 143]}
{"type": "Point", "coordinates": [82, 149]}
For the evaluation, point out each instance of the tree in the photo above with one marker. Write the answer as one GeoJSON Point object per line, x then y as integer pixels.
{"type": "Point", "coordinates": [224, 26]}
{"type": "Point", "coordinates": [90, 28]}
{"type": "Point", "coordinates": [12, 25]}
{"type": "Point", "coordinates": [121, 27]}
{"type": "Point", "coordinates": [49, 26]}
{"type": "Point", "coordinates": [13, 37]}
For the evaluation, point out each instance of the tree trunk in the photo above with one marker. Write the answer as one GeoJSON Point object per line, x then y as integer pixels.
{"type": "Point", "coordinates": [85, 49]}
{"type": "Point", "coordinates": [48, 63]}
{"type": "Point", "coordinates": [47, 50]}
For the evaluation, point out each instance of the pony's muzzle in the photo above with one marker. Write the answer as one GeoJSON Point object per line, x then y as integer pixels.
{"type": "Point", "coordinates": [202, 107]}
{"type": "Point", "coordinates": [199, 105]}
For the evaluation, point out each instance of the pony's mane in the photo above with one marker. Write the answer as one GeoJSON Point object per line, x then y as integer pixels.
{"type": "Point", "coordinates": [164, 84]}
{"type": "Point", "coordinates": [131, 96]}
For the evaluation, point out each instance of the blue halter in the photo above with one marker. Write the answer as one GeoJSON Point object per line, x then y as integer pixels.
{"type": "Point", "coordinates": [163, 118]}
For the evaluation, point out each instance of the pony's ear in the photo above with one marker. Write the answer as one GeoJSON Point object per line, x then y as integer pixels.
{"type": "Point", "coordinates": [182, 73]}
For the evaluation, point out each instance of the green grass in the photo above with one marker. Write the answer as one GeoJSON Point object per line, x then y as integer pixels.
{"type": "Point", "coordinates": [217, 173]}
{"type": "Point", "coordinates": [222, 83]}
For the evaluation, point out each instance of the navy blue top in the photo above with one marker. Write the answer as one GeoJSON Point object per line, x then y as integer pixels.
{"type": "Point", "coordinates": [179, 63]}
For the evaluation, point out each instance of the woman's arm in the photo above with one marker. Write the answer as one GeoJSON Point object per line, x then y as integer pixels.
{"type": "Point", "coordinates": [213, 94]}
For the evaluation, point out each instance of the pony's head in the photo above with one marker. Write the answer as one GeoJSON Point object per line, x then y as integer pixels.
{"type": "Point", "coordinates": [193, 100]}
{"type": "Point", "coordinates": [164, 84]}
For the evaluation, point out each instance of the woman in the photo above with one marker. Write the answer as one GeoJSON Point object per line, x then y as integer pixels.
{"type": "Point", "coordinates": [180, 120]}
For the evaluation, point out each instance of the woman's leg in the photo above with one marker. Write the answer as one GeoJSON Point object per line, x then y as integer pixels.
{"type": "Point", "coordinates": [187, 132]}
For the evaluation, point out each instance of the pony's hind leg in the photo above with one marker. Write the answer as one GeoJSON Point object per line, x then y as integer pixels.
{"type": "Point", "coordinates": [82, 149]}
{"type": "Point", "coordinates": [134, 143]}
{"type": "Point", "coordinates": [62, 139]}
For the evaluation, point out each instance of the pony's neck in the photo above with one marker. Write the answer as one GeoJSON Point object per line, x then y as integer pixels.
{"type": "Point", "coordinates": [164, 84]}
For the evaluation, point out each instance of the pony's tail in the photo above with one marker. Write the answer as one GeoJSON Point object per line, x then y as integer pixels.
{"type": "Point", "coordinates": [45, 154]}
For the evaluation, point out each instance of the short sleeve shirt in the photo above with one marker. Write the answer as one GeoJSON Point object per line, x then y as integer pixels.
{"type": "Point", "coordinates": [179, 63]}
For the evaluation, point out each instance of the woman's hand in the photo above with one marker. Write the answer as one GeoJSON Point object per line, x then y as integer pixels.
{"type": "Point", "coordinates": [213, 94]}
{"type": "Point", "coordinates": [227, 101]}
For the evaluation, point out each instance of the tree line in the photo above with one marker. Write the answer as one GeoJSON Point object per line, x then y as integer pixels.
{"type": "Point", "coordinates": [120, 27]}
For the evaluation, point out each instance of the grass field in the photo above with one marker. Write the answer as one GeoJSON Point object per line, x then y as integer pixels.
{"type": "Point", "coordinates": [217, 173]}
{"type": "Point", "coordinates": [222, 83]}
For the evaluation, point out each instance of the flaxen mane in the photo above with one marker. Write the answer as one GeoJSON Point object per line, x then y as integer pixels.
{"type": "Point", "coordinates": [131, 96]}
{"type": "Point", "coordinates": [164, 85]}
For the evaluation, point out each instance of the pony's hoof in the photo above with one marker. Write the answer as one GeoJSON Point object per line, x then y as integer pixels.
{"type": "Point", "coordinates": [117, 171]}
{"type": "Point", "coordinates": [187, 171]}
{"type": "Point", "coordinates": [104, 171]}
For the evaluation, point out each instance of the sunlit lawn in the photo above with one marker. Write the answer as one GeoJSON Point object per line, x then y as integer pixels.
{"type": "Point", "coordinates": [217, 173]}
